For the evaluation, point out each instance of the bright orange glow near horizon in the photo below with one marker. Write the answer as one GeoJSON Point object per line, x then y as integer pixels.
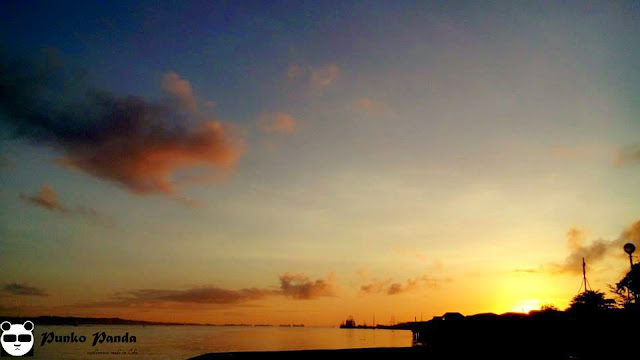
{"type": "Point", "coordinates": [301, 162]}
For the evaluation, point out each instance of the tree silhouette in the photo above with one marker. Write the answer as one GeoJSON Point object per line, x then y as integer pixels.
{"type": "Point", "coordinates": [590, 301]}
{"type": "Point", "coordinates": [548, 308]}
{"type": "Point", "coordinates": [629, 287]}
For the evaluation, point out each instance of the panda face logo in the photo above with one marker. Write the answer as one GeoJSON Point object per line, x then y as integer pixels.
{"type": "Point", "coordinates": [17, 339]}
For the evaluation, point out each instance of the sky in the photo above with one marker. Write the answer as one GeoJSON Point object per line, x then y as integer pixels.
{"type": "Point", "coordinates": [299, 162]}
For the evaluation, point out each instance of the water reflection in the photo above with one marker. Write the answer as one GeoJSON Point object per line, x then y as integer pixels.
{"type": "Point", "coordinates": [181, 342]}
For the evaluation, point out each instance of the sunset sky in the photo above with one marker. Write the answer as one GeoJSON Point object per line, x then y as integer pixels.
{"type": "Point", "coordinates": [303, 161]}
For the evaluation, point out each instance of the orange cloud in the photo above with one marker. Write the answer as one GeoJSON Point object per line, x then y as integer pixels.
{"type": "Point", "coordinates": [279, 123]}
{"type": "Point", "coordinates": [136, 143]}
{"type": "Point", "coordinates": [376, 286]}
{"type": "Point", "coordinates": [146, 162]}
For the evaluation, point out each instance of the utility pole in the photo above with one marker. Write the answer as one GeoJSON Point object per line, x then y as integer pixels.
{"type": "Point", "coordinates": [584, 274]}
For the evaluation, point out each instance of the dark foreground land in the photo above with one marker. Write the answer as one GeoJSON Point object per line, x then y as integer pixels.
{"type": "Point", "coordinates": [404, 353]}
{"type": "Point", "coordinates": [611, 334]}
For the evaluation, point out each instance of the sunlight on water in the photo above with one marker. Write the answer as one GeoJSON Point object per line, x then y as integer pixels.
{"type": "Point", "coordinates": [182, 342]}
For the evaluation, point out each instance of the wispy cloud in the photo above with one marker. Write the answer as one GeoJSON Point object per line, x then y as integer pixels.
{"type": "Point", "coordinates": [10, 310]}
{"type": "Point", "coordinates": [376, 286]}
{"type": "Point", "coordinates": [372, 106]}
{"type": "Point", "coordinates": [295, 286]}
{"type": "Point", "coordinates": [181, 91]}
{"type": "Point", "coordinates": [324, 76]}
{"type": "Point", "coordinates": [594, 252]}
{"type": "Point", "coordinates": [316, 78]}
{"type": "Point", "coordinates": [629, 155]}
{"type": "Point", "coordinates": [47, 198]}
{"type": "Point", "coordinates": [295, 71]}
{"type": "Point", "coordinates": [204, 295]}
{"type": "Point", "coordinates": [299, 286]}
{"type": "Point", "coordinates": [278, 123]}
{"type": "Point", "coordinates": [587, 150]}
{"type": "Point", "coordinates": [632, 233]}
{"type": "Point", "coordinates": [131, 141]}
{"type": "Point", "coordinates": [23, 290]}
{"type": "Point", "coordinates": [390, 287]}
{"type": "Point", "coordinates": [410, 253]}
{"type": "Point", "coordinates": [526, 271]}
{"type": "Point", "coordinates": [363, 273]}
{"type": "Point", "coordinates": [5, 163]}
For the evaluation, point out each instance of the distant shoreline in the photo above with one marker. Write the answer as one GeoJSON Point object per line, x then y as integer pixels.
{"type": "Point", "coordinates": [80, 321]}
{"type": "Point", "coordinates": [546, 334]}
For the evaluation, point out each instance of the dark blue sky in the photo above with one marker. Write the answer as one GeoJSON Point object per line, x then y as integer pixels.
{"type": "Point", "coordinates": [226, 48]}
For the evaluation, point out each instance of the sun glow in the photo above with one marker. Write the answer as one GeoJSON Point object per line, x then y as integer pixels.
{"type": "Point", "coordinates": [525, 306]}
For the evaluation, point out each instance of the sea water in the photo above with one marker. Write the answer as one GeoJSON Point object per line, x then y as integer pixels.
{"type": "Point", "coordinates": [183, 342]}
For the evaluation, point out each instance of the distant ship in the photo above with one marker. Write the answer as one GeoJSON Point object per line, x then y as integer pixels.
{"type": "Point", "coordinates": [349, 324]}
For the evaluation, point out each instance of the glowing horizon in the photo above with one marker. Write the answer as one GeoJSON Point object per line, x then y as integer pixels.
{"type": "Point", "coordinates": [300, 163]}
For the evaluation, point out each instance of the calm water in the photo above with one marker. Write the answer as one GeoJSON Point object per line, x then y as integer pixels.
{"type": "Point", "coordinates": [182, 342]}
